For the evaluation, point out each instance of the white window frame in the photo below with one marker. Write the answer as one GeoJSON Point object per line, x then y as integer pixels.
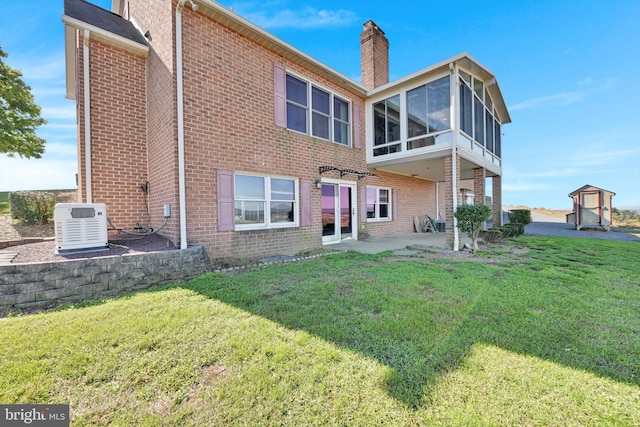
{"type": "Point", "coordinates": [488, 109]}
{"type": "Point", "coordinates": [389, 204]}
{"type": "Point", "coordinates": [332, 118]}
{"type": "Point", "coordinates": [267, 224]}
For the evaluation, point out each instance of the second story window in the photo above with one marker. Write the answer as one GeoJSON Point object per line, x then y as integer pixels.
{"type": "Point", "coordinates": [478, 118]}
{"type": "Point", "coordinates": [428, 112]}
{"type": "Point", "coordinates": [386, 119]}
{"type": "Point", "coordinates": [317, 112]}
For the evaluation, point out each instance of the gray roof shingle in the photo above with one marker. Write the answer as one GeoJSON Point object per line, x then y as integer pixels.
{"type": "Point", "coordinates": [103, 19]}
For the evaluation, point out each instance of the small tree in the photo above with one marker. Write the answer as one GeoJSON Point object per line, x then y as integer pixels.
{"type": "Point", "coordinates": [470, 220]}
{"type": "Point", "coordinates": [19, 115]}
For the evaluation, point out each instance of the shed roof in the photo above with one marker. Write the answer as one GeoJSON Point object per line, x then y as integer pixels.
{"type": "Point", "coordinates": [589, 188]}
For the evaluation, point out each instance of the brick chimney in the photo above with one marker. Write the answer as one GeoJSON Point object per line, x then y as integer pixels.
{"type": "Point", "coordinates": [374, 56]}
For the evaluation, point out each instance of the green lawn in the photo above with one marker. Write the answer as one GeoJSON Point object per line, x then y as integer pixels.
{"type": "Point", "coordinates": [548, 335]}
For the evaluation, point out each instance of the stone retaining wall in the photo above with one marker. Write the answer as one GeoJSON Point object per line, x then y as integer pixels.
{"type": "Point", "coordinates": [47, 283]}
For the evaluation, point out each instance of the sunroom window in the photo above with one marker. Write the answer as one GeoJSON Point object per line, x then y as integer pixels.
{"type": "Point", "coordinates": [386, 119]}
{"type": "Point", "coordinates": [478, 118]}
{"type": "Point", "coordinates": [428, 112]}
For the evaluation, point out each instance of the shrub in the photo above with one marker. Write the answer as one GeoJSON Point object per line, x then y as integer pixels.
{"type": "Point", "coordinates": [512, 230]}
{"type": "Point", "coordinates": [492, 235]}
{"type": "Point", "coordinates": [520, 216]}
{"type": "Point", "coordinates": [32, 207]}
{"type": "Point", "coordinates": [470, 220]}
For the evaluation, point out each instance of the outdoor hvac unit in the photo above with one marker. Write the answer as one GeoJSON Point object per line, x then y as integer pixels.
{"type": "Point", "coordinates": [80, 226]}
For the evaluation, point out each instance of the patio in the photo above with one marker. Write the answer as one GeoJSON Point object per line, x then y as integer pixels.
{"type": "Point", "coordinates": [423, 241]}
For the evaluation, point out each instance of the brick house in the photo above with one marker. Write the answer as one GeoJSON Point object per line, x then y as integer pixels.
{"type": "Point", "coordinates": [260, 149]}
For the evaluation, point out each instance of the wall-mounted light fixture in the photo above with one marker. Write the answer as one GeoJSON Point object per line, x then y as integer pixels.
{"type": "Point", "coordinates": [318, 183]}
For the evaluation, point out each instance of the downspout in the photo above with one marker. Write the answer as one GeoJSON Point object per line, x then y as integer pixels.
{"type": "Point", "coordinates": [438, 200]}
{"type": "Point", "coordinates": [87, 115]}
{"type": "Point", "coordinates": [180, 113]}
{"type": "Point", "coordinates": [454, 151]}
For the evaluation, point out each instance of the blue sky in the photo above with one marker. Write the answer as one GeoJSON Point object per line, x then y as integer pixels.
{"type": "Point", "coordinates": [569, 72]}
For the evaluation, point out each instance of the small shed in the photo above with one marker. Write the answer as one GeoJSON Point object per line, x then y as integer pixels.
{"type": "Point", "coordinates": [592, 207]}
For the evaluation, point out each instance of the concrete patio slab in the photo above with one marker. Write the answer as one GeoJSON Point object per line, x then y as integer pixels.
{"type": "Point", "coordinates": [394, 243]}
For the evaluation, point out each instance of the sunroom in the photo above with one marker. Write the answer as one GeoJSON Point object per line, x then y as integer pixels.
{"type": "Point", "coordinates": [414, 123]}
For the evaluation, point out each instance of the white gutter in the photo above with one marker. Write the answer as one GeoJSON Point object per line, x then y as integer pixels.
{"type": "Point", "coordinates": [87, 116]}
{"type": "Point", "coordinates": [180, 112]}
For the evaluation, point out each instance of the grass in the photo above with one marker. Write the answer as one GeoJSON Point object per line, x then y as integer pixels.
{"type": "Point", "coordinates": [548, 334]}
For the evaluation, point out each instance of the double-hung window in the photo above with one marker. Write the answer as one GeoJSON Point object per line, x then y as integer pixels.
{"type": "Point", "coordinates": [265, 202]}
{"type": "Point", "coordinates": [378, 204]}
{"type": "Point", "coordinates": [317, 112]}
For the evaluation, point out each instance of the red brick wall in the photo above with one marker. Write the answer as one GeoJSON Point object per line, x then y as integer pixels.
{"type": "Point", "coordinates": [479, 186]}
{"type": "Point", "coordinates": [496, 208]}
{"type": "Point", "coordinates": [162, 155]}
{"type": "Point", "coordinates": [229, 125]}
{"type": "Point", "coordinates": [374, 56]}
{"type": "Point", "coordinates": [118, 132]}
{"type": "Point", "coordinates": [449, 196]}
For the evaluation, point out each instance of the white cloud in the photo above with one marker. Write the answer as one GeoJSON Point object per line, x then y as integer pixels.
{"type": "Point", "coordinates": [526, 186]}
{"type": "Point", "coordinates": [597, 156]}
{"type": "Point", "coordinates": [48, 68]}
{"type": "Point", "coordinates": [61, 151]}
{"type": "Point", "coordinates": [305, 18]}
{"type": "Point", "coordinates": [563, 98]}
{"type": "Point", "coordinates": [590, 86]}
{"type": "Point", "coordinates": [61, 111]}
{"type": "Point", "coordinates": [37, 174]}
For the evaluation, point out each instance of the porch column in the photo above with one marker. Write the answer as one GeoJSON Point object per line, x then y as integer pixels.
{"type": "Point", "coordinates": [496, 209]}
{"type": "Point", "coordinates": [479, 186]}
{"type": "Point", "coordinates": [450, 195]}
{"type": "Point", "coordinates": [479, 189]}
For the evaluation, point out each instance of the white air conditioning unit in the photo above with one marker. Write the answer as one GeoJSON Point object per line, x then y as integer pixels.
{"type": "Point", "coordinates": [80, 226]}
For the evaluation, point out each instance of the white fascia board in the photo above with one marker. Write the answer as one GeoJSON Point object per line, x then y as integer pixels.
{"type": "Point", "coordinates": [70, 40]}
{"type": "Point", "coordinates": [107, 37]}
{"type": "Point", "coordinates": [216, 11]}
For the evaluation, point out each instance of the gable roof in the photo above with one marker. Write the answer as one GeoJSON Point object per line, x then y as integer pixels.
{"type": "Point", "coordinates": [588, 187]}
{"type": "Point", "coordinates": [467, 62]}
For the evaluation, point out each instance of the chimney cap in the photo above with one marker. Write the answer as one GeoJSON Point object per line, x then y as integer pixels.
{"type": "Point", "coordinates": [371, 24]}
